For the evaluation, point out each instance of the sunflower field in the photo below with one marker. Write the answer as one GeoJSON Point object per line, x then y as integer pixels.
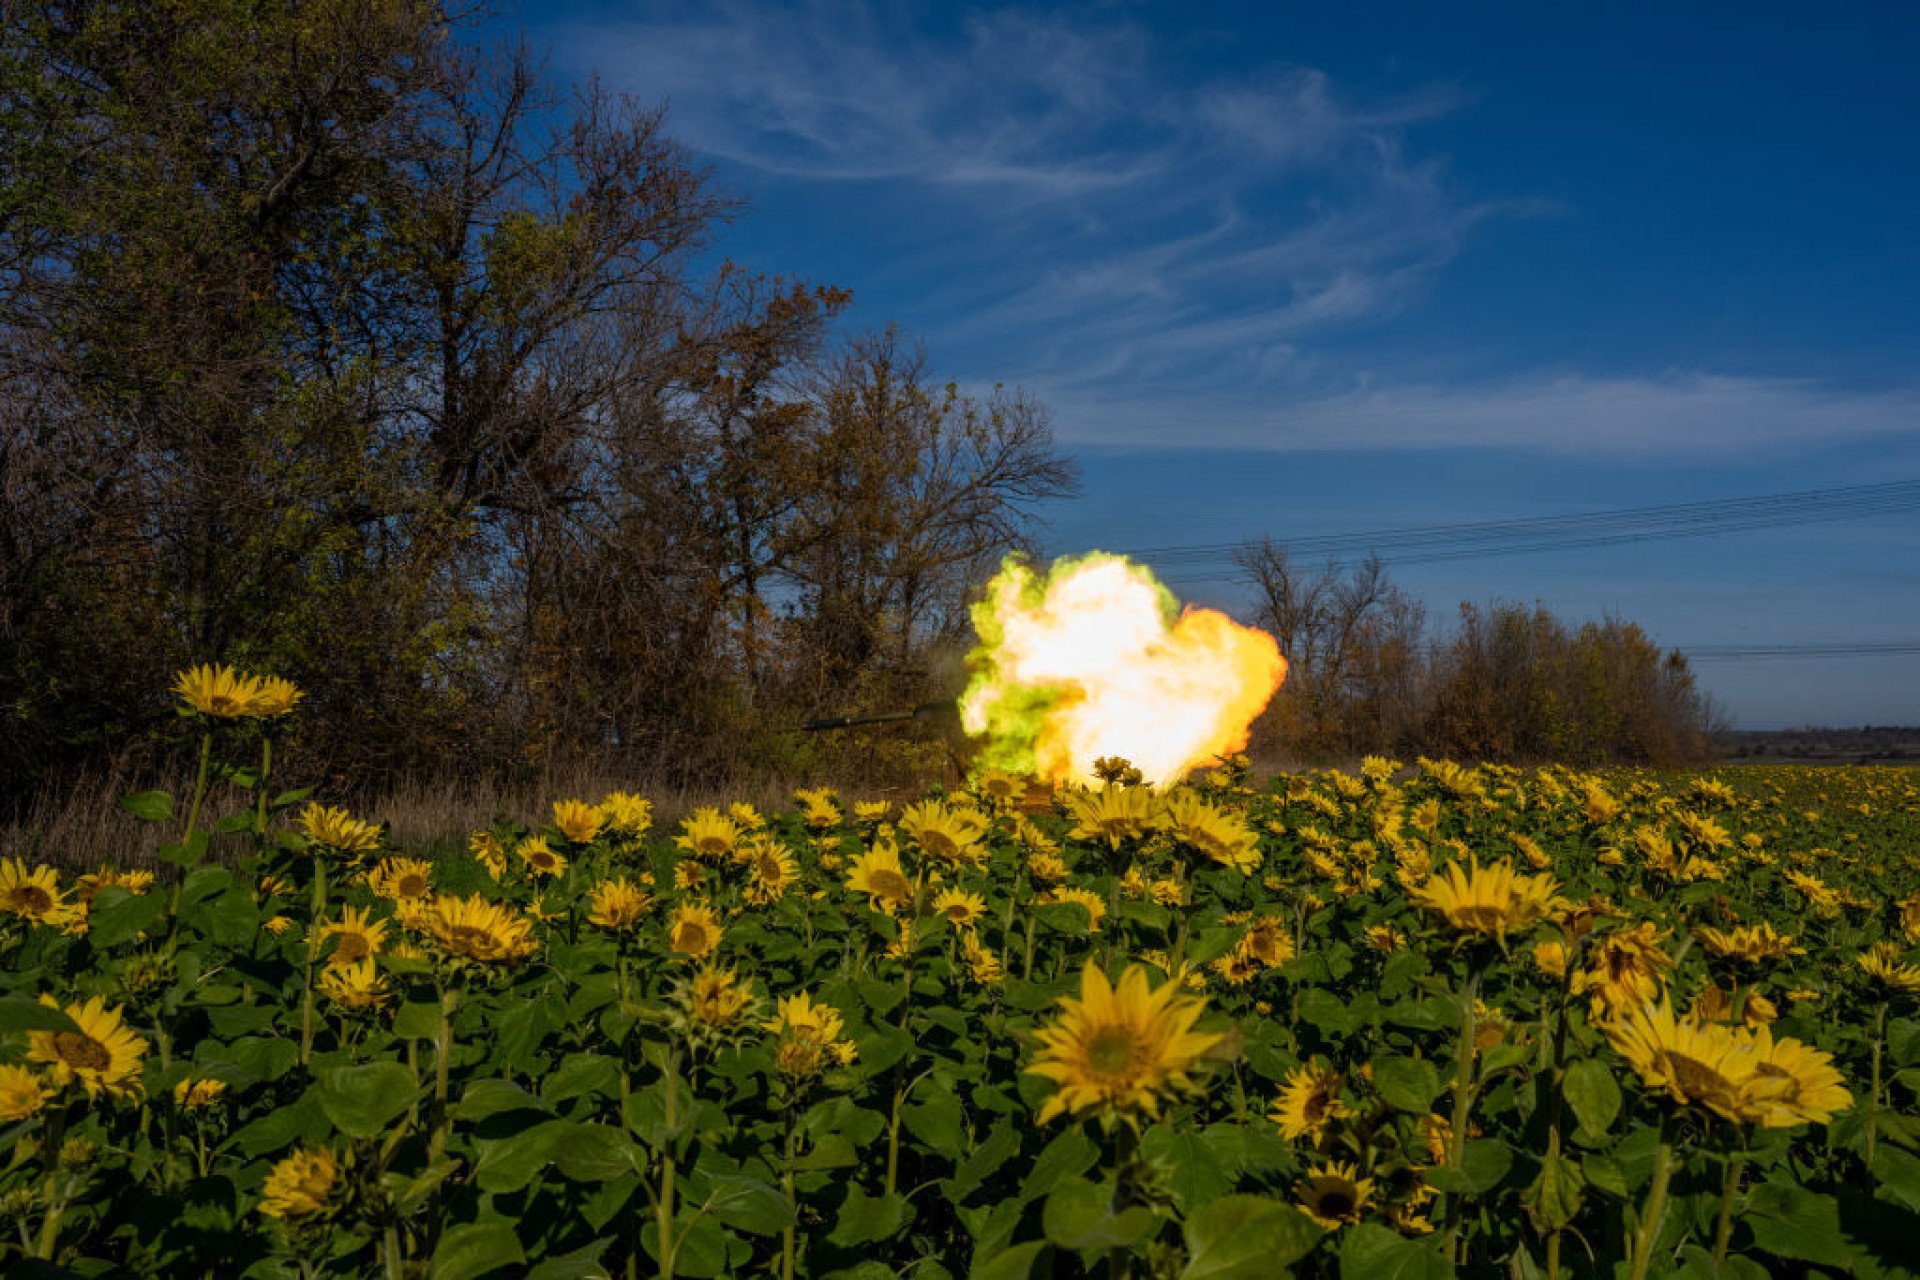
{"type": "Point", "coordinates": [1413, 1021]}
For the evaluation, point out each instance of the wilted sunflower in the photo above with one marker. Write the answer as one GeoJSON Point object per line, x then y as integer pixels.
{"type": "Point", "coordinates": [355, 986]}
{"type": "Point", "coordinates": [963, 909]}
{"type": "Point", "coordinates": [949, 835]}
{"type": "Point", "coordinates": [338, 830]}
{"type": "Point", "coordinates": [694, 931]}
{"type": "Point", "coordinates": [1095, 905]}
{"type": "Point", "coordinates": [808, 1036]}
{"type": "Point", "coordinates": [1111, 815]}
{"type": "Point", "coordinates": [103, 1055]}
{"type": "Point", "coordinates": [1708, 1065]}
{"type": "Point", "coordinates": [1334, 1195]}
{"type": "Point", "coordinates": [1486, 901]}
{"type": "Point", "coordinates": [1794, 1083]}
{"type": "Point", "coordinates": [1119, 1048]}
{"type": "Point", "coordinates": [195, 1093]}
{"type": "Point", "coordinates": [705, 833]}
{"type": "Point", "coordinates": [878, 874]}
{"type": "Point", "coordinates": [716, 999]}
{"type": "Point", "coordinates": [1882, 962]}
{"type": "Point", "coordinates": [618, 904]}
{"type": "Point", "coordinates": [300, 1184]}
{"type": "Point", "coordinates": [473, 928]}
{"type": "Point", "coordinates": [577, 820]}
{"type": "Point", "coordinates": [398, 879]}
{"type": "Point", "coordinates": [359, 937]}
{"type": "Point", "coordinates": [33, 895]}
{"type": "Point", "coordinates": [1213, 833]}
{"type": "Point", "coordinates": [22, 1095]}
{"type": "Point", "coordinates": [540, 856]}
{"type": "Point", "coordinates": [219, 691]}
{"type": "Point", "coordinates": [1308, 1101]}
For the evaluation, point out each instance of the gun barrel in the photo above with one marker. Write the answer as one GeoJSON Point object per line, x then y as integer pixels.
{"type": "Point", "coordinates": [848, 722]}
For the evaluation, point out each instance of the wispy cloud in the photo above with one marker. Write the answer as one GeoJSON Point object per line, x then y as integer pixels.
{"type": "Point", "coordinates": [1692, 416]}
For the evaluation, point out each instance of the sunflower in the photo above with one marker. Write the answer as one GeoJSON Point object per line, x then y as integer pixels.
{"type": "Point", "coordinates": [488, 852]}
{"type": "Point", "coordinates": [817, 808]}
{"type": "Point", "coordinates": [983, 966]}
{"type": "Point", "coordinates": [102, 1054]}
{"type": "Point", "coordinates": [359, 937]}
{"type": "Point", "coordinates": [577, 820]}
{"type": "Point", "coordinates": [540, 856]}
{"type": "Point", "coordinates": [808, 1036]}
{"type": "Point", "coordinates": [399, 879]}
{"type": "Point", "coordinates": [771, 869]}
{"type": "Point", "coordinates": [300, 1184]}
{"type": "Point", "coordinates": [273, 696]}
{"type": "Point", "coordinates": [1704, 1064]}
{"type": "Point", "coordinates": [626, 814]}
{"type": "Point", "coordinates": [475, 929]}
{"type": "Point", "coordinates": [355, 986]}
{"type": "Point", "coordinates": [878, 874]}
{"type": "Point", "coordinates": [716, 998]}
{"type": "Point", "coordinates": [1120, 1047]}
{"type": "Point", "coordinates": [706, 834]}
{"type": "Point", "coordinates": [1486, 901]}
{"type": "Point", "coordinates": [1308, 1101]}
{"type": "Point", "coordinates": [1111, 815]}
{"type": "Point", "coordinates": [195, 1093]}
{"type": "Point", "coordinates": [1224, 838]}
{"type": "Point", "coordinates": [745, 816]}
{"type": "Point", "coordinates": [1883, 963]}
{"type": "Point", "coordinates": [961, 908]}
{"type": "Point", "coordinates": [1334, 1195]}
{"type": "Point", "coordinates": [949, 835]}
{"type": "Point", "coordinates": [1384, 938]}
{"type": "Point", "coordinates": [1624, 969]}
{"type": "Point", "coordinates": [870, 812]}
{"type": "Point", "coordinates": [1046, 867]}
{"type": "Point", "coordinates": [220, 691]}
{"type": "Point", "coordinates": [1000, 789]}
{"type": "Point", "coordinates": [22, 1096]}
{"type": "Point", "coordinates": [1749, 943]}
{"type": "Point", "coordinates": [1794, 1083]}
{"type": "Point", "coordinates": [338, 830]}
{"type": "Point", "coordinates": [134, 882]}
{"type": "Point", "coordinates": [278, 926]}
{"type": "Point", "coordinates": [694, 930]}
{"type": "Point", "coordinates": [1095, 905]}
{"type": "Point", "coordinates": [33, 895]}
{"type": "Point", "coordinates": [618, 904]}
{"type": "Point", "coordinates": [1550, 958]}
{"type": "Point", "coordinates": [1267, 942]}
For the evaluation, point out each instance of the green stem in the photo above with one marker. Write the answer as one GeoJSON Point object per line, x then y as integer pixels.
{"type": "Point", "coordinates": [442, 1051]}
{"type": "Point", "coordinates": [186, 839]}
{"type": "Point", "coordinates": [1873, 1095]}
{"type": "Point", "coordinates": [1655, 1210]}
{"type": "Point", "coordinates": [266, 771]}
{"type": "Point", "coordinates": [313, 948]}
{"type": "Point", "coordinates": [787, 1242]}
{"type": "Point", "coordinates": [1723, 1228]}
{"type": "Point", "coordinates": [1462, 1099]}
{"type": "Point", "coordinates": [56, 1130]}
{"type": "Point", "coordinates": [663, 1205]}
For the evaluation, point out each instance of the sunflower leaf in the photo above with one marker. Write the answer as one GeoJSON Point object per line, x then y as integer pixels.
{"type": "Point", "coordinates": [1245, 1237]}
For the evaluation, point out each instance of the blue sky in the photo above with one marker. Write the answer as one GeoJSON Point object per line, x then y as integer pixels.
{"type": "Point", "coordinates": [1315, 269]}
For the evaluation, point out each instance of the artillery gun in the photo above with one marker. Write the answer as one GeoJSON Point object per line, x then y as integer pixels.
{"type": "Point", "coordinates": [942, 717]}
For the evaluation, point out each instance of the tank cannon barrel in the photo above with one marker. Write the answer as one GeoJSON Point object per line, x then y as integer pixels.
{"type": "Point", "coordinates": [925, 711]}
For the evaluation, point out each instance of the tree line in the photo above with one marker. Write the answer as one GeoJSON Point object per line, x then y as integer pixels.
{"type": "Point", "coordinates": [340, 344]}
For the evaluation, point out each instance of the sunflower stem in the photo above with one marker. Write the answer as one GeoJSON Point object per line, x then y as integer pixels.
{"type": "Point", "coordinates": [1873, 1094]}
{"type": "Point", "coordinates": [1656, 1208]}
{"type": "Point", "coordinates": [442, 1049]}
{"type": "Point", "coordinates": [266, 771]}
{"type": "Point", "coordinates": [313, 948]}
{"type": "Point", "coordinates": [663, 1205]}
{"type": "Point", "coordinates": [787, 1240]}
{"type": "Point", "coordinates": [1723, 1227]}
{"type": "Point", "coordinates": [1462, 1099]}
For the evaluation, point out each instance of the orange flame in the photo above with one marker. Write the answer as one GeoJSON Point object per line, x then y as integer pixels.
{"type": "Point", "coordinates": [1097, 659]}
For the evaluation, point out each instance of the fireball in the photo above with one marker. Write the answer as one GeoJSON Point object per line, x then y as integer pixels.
{"type": "Point", "coordinates": [1095, 658]}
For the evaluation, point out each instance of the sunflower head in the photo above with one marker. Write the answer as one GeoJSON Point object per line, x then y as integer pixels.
{"type": "Point", "coordinates": [707, 834]}
{"type": "Point", "coordinates": [358, 986]}
{"type": "Point", "coordinates": [694, 930]}
{"type": "Point", "coordinates": [961, 908]}
{"type": "Point", "coordinates": [32, 895]}
{"type": "Point", "coordinates": [771, 869]}
{"type": "Point", "coordinates": [22, 1093]}
{"type": "Point", "coordinates": [540, 856]}
{"type": "Point", "coordinates": [1121, 1048]}
{"type": "Point", "coordinates": [878, 874]}
{"type": "Point", "coordinates": [1884, 963]}
{"type": "Point", "coordinates": [627, 814]}
{"type": "Point", "coordinates": [217, 691]}
{"type": "Point", "coordinates": [947, 834]}
{"type": "Point", "coordinates": [475, 930]}
{"type": "Point", "coordinates": [301, 1185]}
{"type": "Point", "coordinates": [1486, 902]}
{"type": "Point", "coordinates": [1092, 903]}
{"type": "Point", "coordinates": [578, 821]}
{"type": "Point", "coordinates": [1334, 1195]}
{"type": "Point", "coordinates": [1308, 1102]}
{"type": "Point", "coordinates": [399, 879]}
{"type": "Point", "coordinates": [618, 904]}
{"type": "Point", "coordinates": [1214, 834]}
{"type": "Point", "coordinates": [338, 830]}
{"type": "Point", "coordinates": [196, 1093]}
{"type": "Point", "coordinates": [274, 696]}
{"type": "Point", "coordinates": [1112, 815]}
{"type": "Point", "coordinates": [356, 937]}
{"type": "Point", "coordinates": [102, 1054]}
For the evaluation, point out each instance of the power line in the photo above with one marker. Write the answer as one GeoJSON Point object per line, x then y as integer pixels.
{"type": "Point", "coordinates": [1427, 544]}
{"type": "Point", "coordinates": [1838, 649]}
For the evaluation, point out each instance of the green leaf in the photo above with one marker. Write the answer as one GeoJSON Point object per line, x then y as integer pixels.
{"type": "Point", "coordinates": [1407, 1084]}
{"type": "Point", "coordinates": [475, 1248]}
{"type": "Point", "coordinates": [582, 1264]}
{"type": "Point", "coordinates": [1069, 1154]}
{"type": "Point", "coordinates": [1594, 1095]}
{"type": "Point", "coordinates": [596, 1153]}
{"type": "Point", "coordinates": [1898, 1174]}
{"type": "Point", "coordinates": [149, 806]}
{"type": "Point", "coordinates": [747, 1204]}
{"type": "Point", "coordinates": [484, 1098]}
{"type": "Point", "coordinates": [418, 1020]}
{"type": "Point", "coordinates": [20, 1014]}
{"type": "Point", "coordinates": [1079, 1215]}
{"type": "Point", "coordinates": [940, 1122]}
{"type": "Point", "coordinates": [508, 1164]}
{"type": "Point", "coordinates": [865, 1219]}
{"type": "Point", "coordinates": [1196, 1167]}
{"type": "Point", "coordinates": [1553, 1201]}
{"type": "Point", "coordinates": [362, 1101]}
{"type": "Point", "coordinates": [1245, 1238]}
{"type": "Point", "coordinates": [580, 1074]}
{"type": "Point", "coordinates": [1021, 1262]}
{"type": "Point", "coordinates": [1789, 1221]}
{"type": "Point", "coordinates": [1373, 1252]}
{"type": "Point", "coordinates": [1483, 1164]}
{"type": "Point", "coordinates": [116, 916]}
{"type": "Point", "coordinates": [1323, 1009]}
